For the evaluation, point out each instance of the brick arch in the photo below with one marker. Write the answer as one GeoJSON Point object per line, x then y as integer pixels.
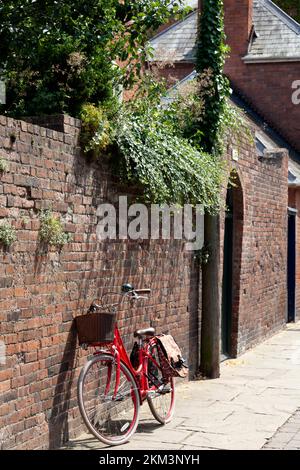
{"type": "Point", "coordinates": [238, 227]}
{"type": "Point", "coordinates": [235, 199]}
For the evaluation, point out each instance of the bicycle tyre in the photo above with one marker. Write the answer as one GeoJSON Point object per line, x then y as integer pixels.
{"type": "Point", "coordinates": [113, 422]}
{"type": "Point", "coordinates": [162, 405]}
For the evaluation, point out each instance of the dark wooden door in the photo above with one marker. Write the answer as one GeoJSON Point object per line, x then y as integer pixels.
{"type": "Point", "coordinates": [226, 323]}
{"type": "Point", "coordinates": [291, 268]}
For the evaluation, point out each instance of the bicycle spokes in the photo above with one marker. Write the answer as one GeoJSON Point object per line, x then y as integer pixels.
{"type": "Point", "coordinates": [111, 412]}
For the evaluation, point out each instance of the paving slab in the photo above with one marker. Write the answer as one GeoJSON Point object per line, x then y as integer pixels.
{"type": "Point", "coordinates": [287, 436]}
{"type": "Point", "coordinates": [253, 405]}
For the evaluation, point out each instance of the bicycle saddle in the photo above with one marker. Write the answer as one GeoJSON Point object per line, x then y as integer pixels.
{"type": "Point", "coordinates": [147, 331]}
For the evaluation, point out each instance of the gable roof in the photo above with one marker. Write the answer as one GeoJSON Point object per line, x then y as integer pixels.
{"type": "Point", "coordinates": [178, 42]}
{"type": "Point", "coordinates": [265, 135]}
{"type": "Point", "coordinates": [276, 37]}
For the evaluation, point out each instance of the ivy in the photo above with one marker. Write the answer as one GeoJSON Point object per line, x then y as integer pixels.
{"type": "Point", "coordinates": [151, 150]}
{"type": "Point", "coordinates": [168, 167]}
{"type": "Point", "coordinates": [211, 55]}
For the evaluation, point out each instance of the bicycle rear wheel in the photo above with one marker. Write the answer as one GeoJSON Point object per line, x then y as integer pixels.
{"type": "Point", "coordinates": [110, 419]}
{"type": "Point", "coordinates": [161, 397]}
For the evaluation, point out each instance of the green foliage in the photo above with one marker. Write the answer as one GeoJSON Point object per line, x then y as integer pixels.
{"type": "Point", "coordinates": [7, 234]}
{"type": "Point", "coordinates": [59, 55]}
{"type": "Point", "coordinates": [152, 151]}
{"type": "Point", "coordinates": [187, 109]}
{"type": "Point", "coordinates": [187, 112]}
{"type": "Point", "coordinates": [51, 230]}
{"type": "Point", "coordinates": [234, 128]}
{"type": "Point", "coordinates": [292, 7]}
{"type": "Point", "coordinates": [203, 254]}
{"type": "Point", "coordinates": [170, 169]}
{"type": "Point", "coordinates": [95, 129]}
{"type": "Point", "coordinates": [211, 54]}
{"type": "Point", "coordinates": [3, 165]}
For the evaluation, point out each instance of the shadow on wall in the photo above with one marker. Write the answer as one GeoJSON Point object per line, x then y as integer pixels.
{"type": "Point", "coordinates": [63, 400]}
{"type": "Point", "coordinates": [73, 277]}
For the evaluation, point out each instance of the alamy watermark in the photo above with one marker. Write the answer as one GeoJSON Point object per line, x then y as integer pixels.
{"type": "Point", "coordinates": [2, 92]}
{"type": "Point", "coordinates": [296, 92]}
{"type": "Point", "coordinates": [138, 221]}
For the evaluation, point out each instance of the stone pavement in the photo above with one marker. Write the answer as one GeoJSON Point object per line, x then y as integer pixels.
{"type": "Point", "coordinates": [288, 436]}
{"type": "Point", "coordinates": [253, 405]}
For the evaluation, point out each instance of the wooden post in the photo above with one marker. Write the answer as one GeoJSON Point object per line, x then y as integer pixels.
{"type": "Point", "coordinates": [211, 298]}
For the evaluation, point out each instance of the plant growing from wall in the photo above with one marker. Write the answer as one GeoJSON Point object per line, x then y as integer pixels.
{"type": "Point", "coordinates": [3, 165]}
{"type": "Point", "coordinates": [7, 234]}
{"type": "Point", "coordinates": [95, 135]}
{"type": "Point", "coordinates": [51, 230]}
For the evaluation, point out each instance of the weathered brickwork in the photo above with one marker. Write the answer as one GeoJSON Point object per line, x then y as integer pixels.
{"type": "Point", "coordinates": [260, 198]}
{"type": "Point", "coordinates": [266, 86]}
{"type": "Point", "coordinates": [41, 293]}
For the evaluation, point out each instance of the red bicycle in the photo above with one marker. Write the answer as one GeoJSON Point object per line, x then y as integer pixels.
{"type": "Point", "coordinates": [111, 387]}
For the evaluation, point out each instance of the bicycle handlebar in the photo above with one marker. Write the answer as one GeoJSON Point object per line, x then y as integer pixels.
{"type": "Point", "coordinates": [133, 294]}
{"type": "Point", "coordinates": [142, 291]}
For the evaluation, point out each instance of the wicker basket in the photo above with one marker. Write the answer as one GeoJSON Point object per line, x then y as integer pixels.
{"type": "Point", "coordinates": [96, 328]}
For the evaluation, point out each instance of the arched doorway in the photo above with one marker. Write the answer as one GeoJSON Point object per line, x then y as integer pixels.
{"type": "Point", "coordinates": [232, 254]}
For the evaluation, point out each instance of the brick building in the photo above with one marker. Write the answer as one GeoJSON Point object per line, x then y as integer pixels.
{"type": "Point", "coordinates": [264, 69]}
{"type": "Point", "coordinates": [264, 61]}
{"type": "Point", "coordinates": [42, 291]}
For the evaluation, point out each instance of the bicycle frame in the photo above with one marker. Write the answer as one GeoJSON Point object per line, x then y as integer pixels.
{"type": "Point", "coordinates": [117, 349]}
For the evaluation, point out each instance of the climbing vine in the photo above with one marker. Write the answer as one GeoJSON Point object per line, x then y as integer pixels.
{"type": "Point", "coordinates": [170, 150]}
{"type": "Point", "coordinates": [211, 55]}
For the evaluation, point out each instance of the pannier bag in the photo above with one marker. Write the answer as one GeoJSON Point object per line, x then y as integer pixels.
{"type": "Point", "coordinates": [170, 357]}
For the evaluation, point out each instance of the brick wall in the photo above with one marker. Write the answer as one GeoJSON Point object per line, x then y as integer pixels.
{"type": "Point", "coordinates": [41, 292]}
{"type": "Point", "coordinates": [259, 266]}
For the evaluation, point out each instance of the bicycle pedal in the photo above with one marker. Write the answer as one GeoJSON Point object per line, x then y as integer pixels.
{"type": "Point", "coordinates": [164, 389]}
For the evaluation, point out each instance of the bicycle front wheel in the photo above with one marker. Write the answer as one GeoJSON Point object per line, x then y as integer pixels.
{"type": "Point", "coordinates": [111, 418]}
{"type": "Point", "coordinates": [161, 395]}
